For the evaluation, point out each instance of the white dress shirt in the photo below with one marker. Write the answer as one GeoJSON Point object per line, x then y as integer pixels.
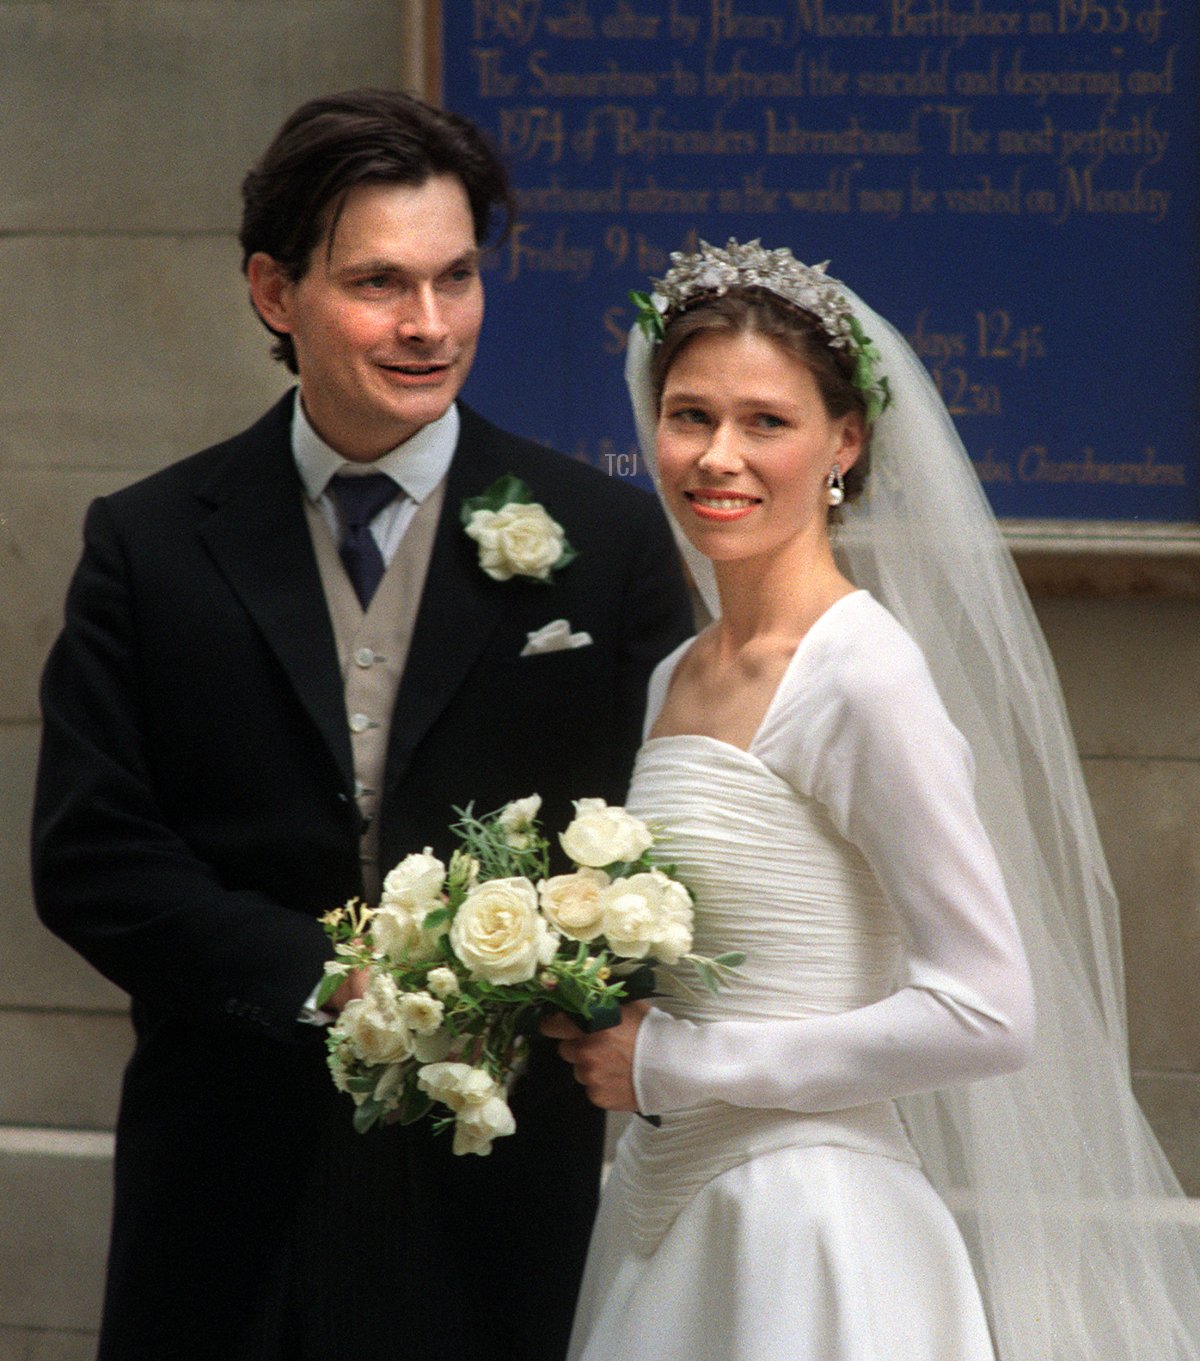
{"type": "Point", "coordinates": [416, 466]}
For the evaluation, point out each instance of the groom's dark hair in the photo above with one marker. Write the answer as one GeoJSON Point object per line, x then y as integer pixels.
{"type": "Point", "coordinates": [293, 196]}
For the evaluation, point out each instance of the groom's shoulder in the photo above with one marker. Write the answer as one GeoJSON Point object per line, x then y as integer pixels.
{"type": "Point", "coordinates": [549, 473]}
{"type": "Point", "coordinates": [207, 469]}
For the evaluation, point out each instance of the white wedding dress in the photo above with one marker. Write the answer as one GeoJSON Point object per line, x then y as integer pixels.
{"type": "Point", "coordinates": [779, 1210]}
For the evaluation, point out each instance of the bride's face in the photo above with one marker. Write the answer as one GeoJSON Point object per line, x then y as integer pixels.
{"type": "Point", "coordinates": [745, 445]}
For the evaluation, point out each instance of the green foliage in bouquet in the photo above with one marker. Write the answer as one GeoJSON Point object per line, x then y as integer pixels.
{"type": "Point", "coordinates": [462, 959]}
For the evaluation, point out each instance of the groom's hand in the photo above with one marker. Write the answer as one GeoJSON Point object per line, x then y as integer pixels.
{"type": "Point", "coordinates": [603, 1061]}
{"type": "Point", "coordinates": [355, 985]}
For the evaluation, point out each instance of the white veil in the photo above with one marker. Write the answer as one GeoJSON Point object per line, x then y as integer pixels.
{"type": "Point", "coordinates": [1083, 1244]}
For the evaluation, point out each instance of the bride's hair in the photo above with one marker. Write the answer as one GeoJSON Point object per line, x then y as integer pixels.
{"type": "Point", "coordinates": [760, 312]}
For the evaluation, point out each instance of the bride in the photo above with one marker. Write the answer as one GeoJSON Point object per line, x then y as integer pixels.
{"type": "Point", "coordinates": [864, 1149]}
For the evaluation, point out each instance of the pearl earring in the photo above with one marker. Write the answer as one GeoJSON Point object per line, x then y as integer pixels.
{"type": "Point", "coordinates": [835, 488]}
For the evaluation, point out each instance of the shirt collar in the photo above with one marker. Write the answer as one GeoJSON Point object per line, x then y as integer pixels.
{"type": "Point", "coordinates": [416, 466]}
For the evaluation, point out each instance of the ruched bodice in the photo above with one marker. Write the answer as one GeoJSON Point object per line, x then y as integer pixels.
{"type": "Point", "coordinates": [772, 878]}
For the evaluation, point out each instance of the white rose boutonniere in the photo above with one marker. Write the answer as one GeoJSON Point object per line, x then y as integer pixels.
{"type": "Point", "coordinates": [516, 536]}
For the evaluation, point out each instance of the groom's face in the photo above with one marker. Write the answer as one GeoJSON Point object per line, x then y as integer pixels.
{"type": "Point", "coordinates": [386, 319]}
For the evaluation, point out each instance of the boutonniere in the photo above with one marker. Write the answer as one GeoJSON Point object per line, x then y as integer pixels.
{"type": "Point", "coordinates": [516, 537]}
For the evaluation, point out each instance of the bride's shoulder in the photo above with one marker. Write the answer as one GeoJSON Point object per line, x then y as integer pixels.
{"type": "Point", "coordinates": [860, 651]}
{"type": "Point", "coordinates": [857, 629]}
{"type": "Point", "coordinates": [660, 683]}
{"type": "Point", "coordinates": [660, 677]}
{"type": "Point", "coordinates": [860, 684]}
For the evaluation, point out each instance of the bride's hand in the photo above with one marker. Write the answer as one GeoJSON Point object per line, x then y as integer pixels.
{"type": "Point", "coordinates": [603, 1062]}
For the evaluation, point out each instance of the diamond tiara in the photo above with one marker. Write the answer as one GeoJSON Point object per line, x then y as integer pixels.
{"type": "Point", "coordinates": [711, 272]}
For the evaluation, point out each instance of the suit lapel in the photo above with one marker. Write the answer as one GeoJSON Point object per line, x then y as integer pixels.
{"type": "Point", "coordinates": [459, 610]}
{"type": "Point", "coordinates": [259, 538]}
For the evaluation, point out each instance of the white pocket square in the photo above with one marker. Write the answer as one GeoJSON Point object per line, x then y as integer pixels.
{"type": "Point", "coordinates": [556, 636]}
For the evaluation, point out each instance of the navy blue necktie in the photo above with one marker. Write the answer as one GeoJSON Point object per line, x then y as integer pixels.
{"type": "Point", "coordinates": [359, 500]}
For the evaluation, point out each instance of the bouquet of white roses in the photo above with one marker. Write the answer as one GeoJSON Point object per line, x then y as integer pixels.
{"type": "Point", "coordinates": [462, 959]}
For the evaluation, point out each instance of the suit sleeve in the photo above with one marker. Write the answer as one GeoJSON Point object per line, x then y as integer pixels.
{"type": "Point", "coordinates": [112, 876]}
{"type": "Point", "coordinates": [880, 752]}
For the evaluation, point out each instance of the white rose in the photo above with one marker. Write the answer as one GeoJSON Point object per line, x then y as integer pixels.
{"type": "Point", "coordinates": [518, 815]}
{"type": "Point", "coordinates": [421, 1012]}
{"type": "Point", "coordinates": [499, 934]}
{"type": "Point", "coordinates": [374, 1026]}
{"type": "Point", "coordinates": [516, 820]}
{"type": "Point", "coordinates": [648, 914]}
{"type": "Point", "coordinates": [601, 835]}
{"type": "Point", "coordinates": [395, 931]}
{"type": "Point", "coordinates": [457, 1085]}
{"type": "Point", "coordinates": [572, 902]}
{"type": "Point", "coordinates": [517, 540]}
{"type": "Point", "coordinates": [416, 882]}
{"type": "Point", "coordinates": [410, 892]}
{"type": "Point", "coordinates": [442, 982]}
{"type": "Point", "coordinates": [476, 1126]}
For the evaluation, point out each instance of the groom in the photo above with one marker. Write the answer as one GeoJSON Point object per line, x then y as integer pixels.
{"type": "Point", "coordinates": [278, 676]}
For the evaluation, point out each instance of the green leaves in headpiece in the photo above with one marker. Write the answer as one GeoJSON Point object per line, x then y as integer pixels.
{"type": "Point", "coordinates": [874, 388]}
{"type": "Point", "coordinates": [649, 318]}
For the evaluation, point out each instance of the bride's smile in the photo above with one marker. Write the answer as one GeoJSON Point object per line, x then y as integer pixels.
{"type": "Point", "coordinates": [721, 505]}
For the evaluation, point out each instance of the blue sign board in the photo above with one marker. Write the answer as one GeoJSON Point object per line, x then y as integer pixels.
{"type": "Point", "coordinates": [1011, 182]}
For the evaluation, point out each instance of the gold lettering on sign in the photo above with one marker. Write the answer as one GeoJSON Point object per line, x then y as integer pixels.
{"type": "Point", "coordinates": [1036, 125]}
{"type": "Point", "coordinates": [631, 122]}
{"type": "Point", "coordinates": [1039, 464]}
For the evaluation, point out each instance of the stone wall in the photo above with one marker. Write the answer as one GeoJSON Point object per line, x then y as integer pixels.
{"type": "Point", "coordinates": [127, 342]}
{"type": "Point", "coordinates": [1129, 669]}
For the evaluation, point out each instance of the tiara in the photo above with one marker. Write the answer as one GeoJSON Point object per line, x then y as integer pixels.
{"type": "Point", "coordinates": [711, 272]}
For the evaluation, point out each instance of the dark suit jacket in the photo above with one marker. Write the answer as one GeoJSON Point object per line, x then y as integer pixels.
{"type": "Point", "coordinates": [195, 814]}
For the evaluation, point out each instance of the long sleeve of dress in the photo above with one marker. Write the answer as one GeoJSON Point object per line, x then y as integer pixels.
{"type": "Point", "coordinates": [859, 726]}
